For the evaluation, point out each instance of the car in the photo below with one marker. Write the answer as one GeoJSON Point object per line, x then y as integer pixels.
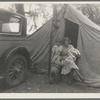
{"type": "Point", "coordinates": [14, 54]}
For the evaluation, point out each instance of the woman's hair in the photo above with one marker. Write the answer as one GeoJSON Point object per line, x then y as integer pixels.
{"type": "Point", "coordinates": [66, 39]}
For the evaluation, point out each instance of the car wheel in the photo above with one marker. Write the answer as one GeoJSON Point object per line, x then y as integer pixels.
{"type": "Point", "coordinates": [16, 68]}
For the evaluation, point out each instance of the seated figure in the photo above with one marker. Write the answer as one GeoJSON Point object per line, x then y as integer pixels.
{"type": "Point", "coordinates": [63, 61]}
{"type": "Point", "coordinates": [55, 73]}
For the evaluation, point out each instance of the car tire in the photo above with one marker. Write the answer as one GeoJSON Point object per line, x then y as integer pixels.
{"type": "Point", "coordinates": [16, 70]}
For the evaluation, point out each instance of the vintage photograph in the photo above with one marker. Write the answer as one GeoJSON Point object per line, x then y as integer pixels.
{"type": "Point", "coordinates": [48, 47]}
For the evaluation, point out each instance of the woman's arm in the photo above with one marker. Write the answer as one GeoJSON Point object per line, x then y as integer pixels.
{"type": "Point", "coordinates": [71, 54]}
{"type": "Point", "coordinates": [78, 53]}
{"type": "Point", "coordinates": [74, 51]}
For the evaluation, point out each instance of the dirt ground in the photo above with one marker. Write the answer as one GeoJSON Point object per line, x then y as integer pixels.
{"type": "Point", "coordinates": [39, 83]}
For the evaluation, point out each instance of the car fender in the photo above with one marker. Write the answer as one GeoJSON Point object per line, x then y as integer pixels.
{"type": "Point", "coordinates": [11, 51]}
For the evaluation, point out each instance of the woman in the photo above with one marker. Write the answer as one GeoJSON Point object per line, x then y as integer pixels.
{"type": "Point", "coordinates": [63, 61]}
{"type": "Point", "coordinates": [69, 54]}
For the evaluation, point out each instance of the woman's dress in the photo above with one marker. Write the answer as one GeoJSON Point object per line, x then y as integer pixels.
{"type": "Point", "coordinates": [68, 59]}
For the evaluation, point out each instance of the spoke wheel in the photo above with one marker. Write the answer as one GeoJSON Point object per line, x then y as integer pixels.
{"type": "Point", "coordinates": [16, 70]}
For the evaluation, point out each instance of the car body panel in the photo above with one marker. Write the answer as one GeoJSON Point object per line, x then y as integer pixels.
{"type": "Point", "coordinates": [10, 41]}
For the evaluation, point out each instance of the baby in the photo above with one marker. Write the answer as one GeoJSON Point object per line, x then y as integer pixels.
{"type": "Point", "coordinates": [73, 53]}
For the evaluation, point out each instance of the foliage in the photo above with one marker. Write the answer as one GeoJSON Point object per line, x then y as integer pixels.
{"type": "Point", "coordinates": [91, 11]}
{"type": "Point", "coordinates": [38, 14]}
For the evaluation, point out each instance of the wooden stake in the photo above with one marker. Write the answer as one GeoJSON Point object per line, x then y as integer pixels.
{"type": "Point", "coordinates": [54, 19]}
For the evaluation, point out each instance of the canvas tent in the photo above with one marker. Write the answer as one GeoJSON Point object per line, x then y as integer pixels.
{"type": "Point", "coordinates": [85, 35]}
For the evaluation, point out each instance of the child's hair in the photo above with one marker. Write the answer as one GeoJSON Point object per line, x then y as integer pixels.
{"type": "Point", "coordinates": [59, 41]}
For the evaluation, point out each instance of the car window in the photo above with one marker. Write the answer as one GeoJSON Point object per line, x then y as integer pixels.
{"type": "Point", "coordinates": [9, 25]}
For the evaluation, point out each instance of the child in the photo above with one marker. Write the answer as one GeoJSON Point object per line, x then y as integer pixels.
{"type": "Point", "coordinates": [56, 51]}
{"type": "Point", "coordinates": [55, 73]}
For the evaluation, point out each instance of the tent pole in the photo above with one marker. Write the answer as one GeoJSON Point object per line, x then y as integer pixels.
{"type": "Point", "coordinates": [54, 19]}
{"type": "Point", "coordinates": [50, 51]}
